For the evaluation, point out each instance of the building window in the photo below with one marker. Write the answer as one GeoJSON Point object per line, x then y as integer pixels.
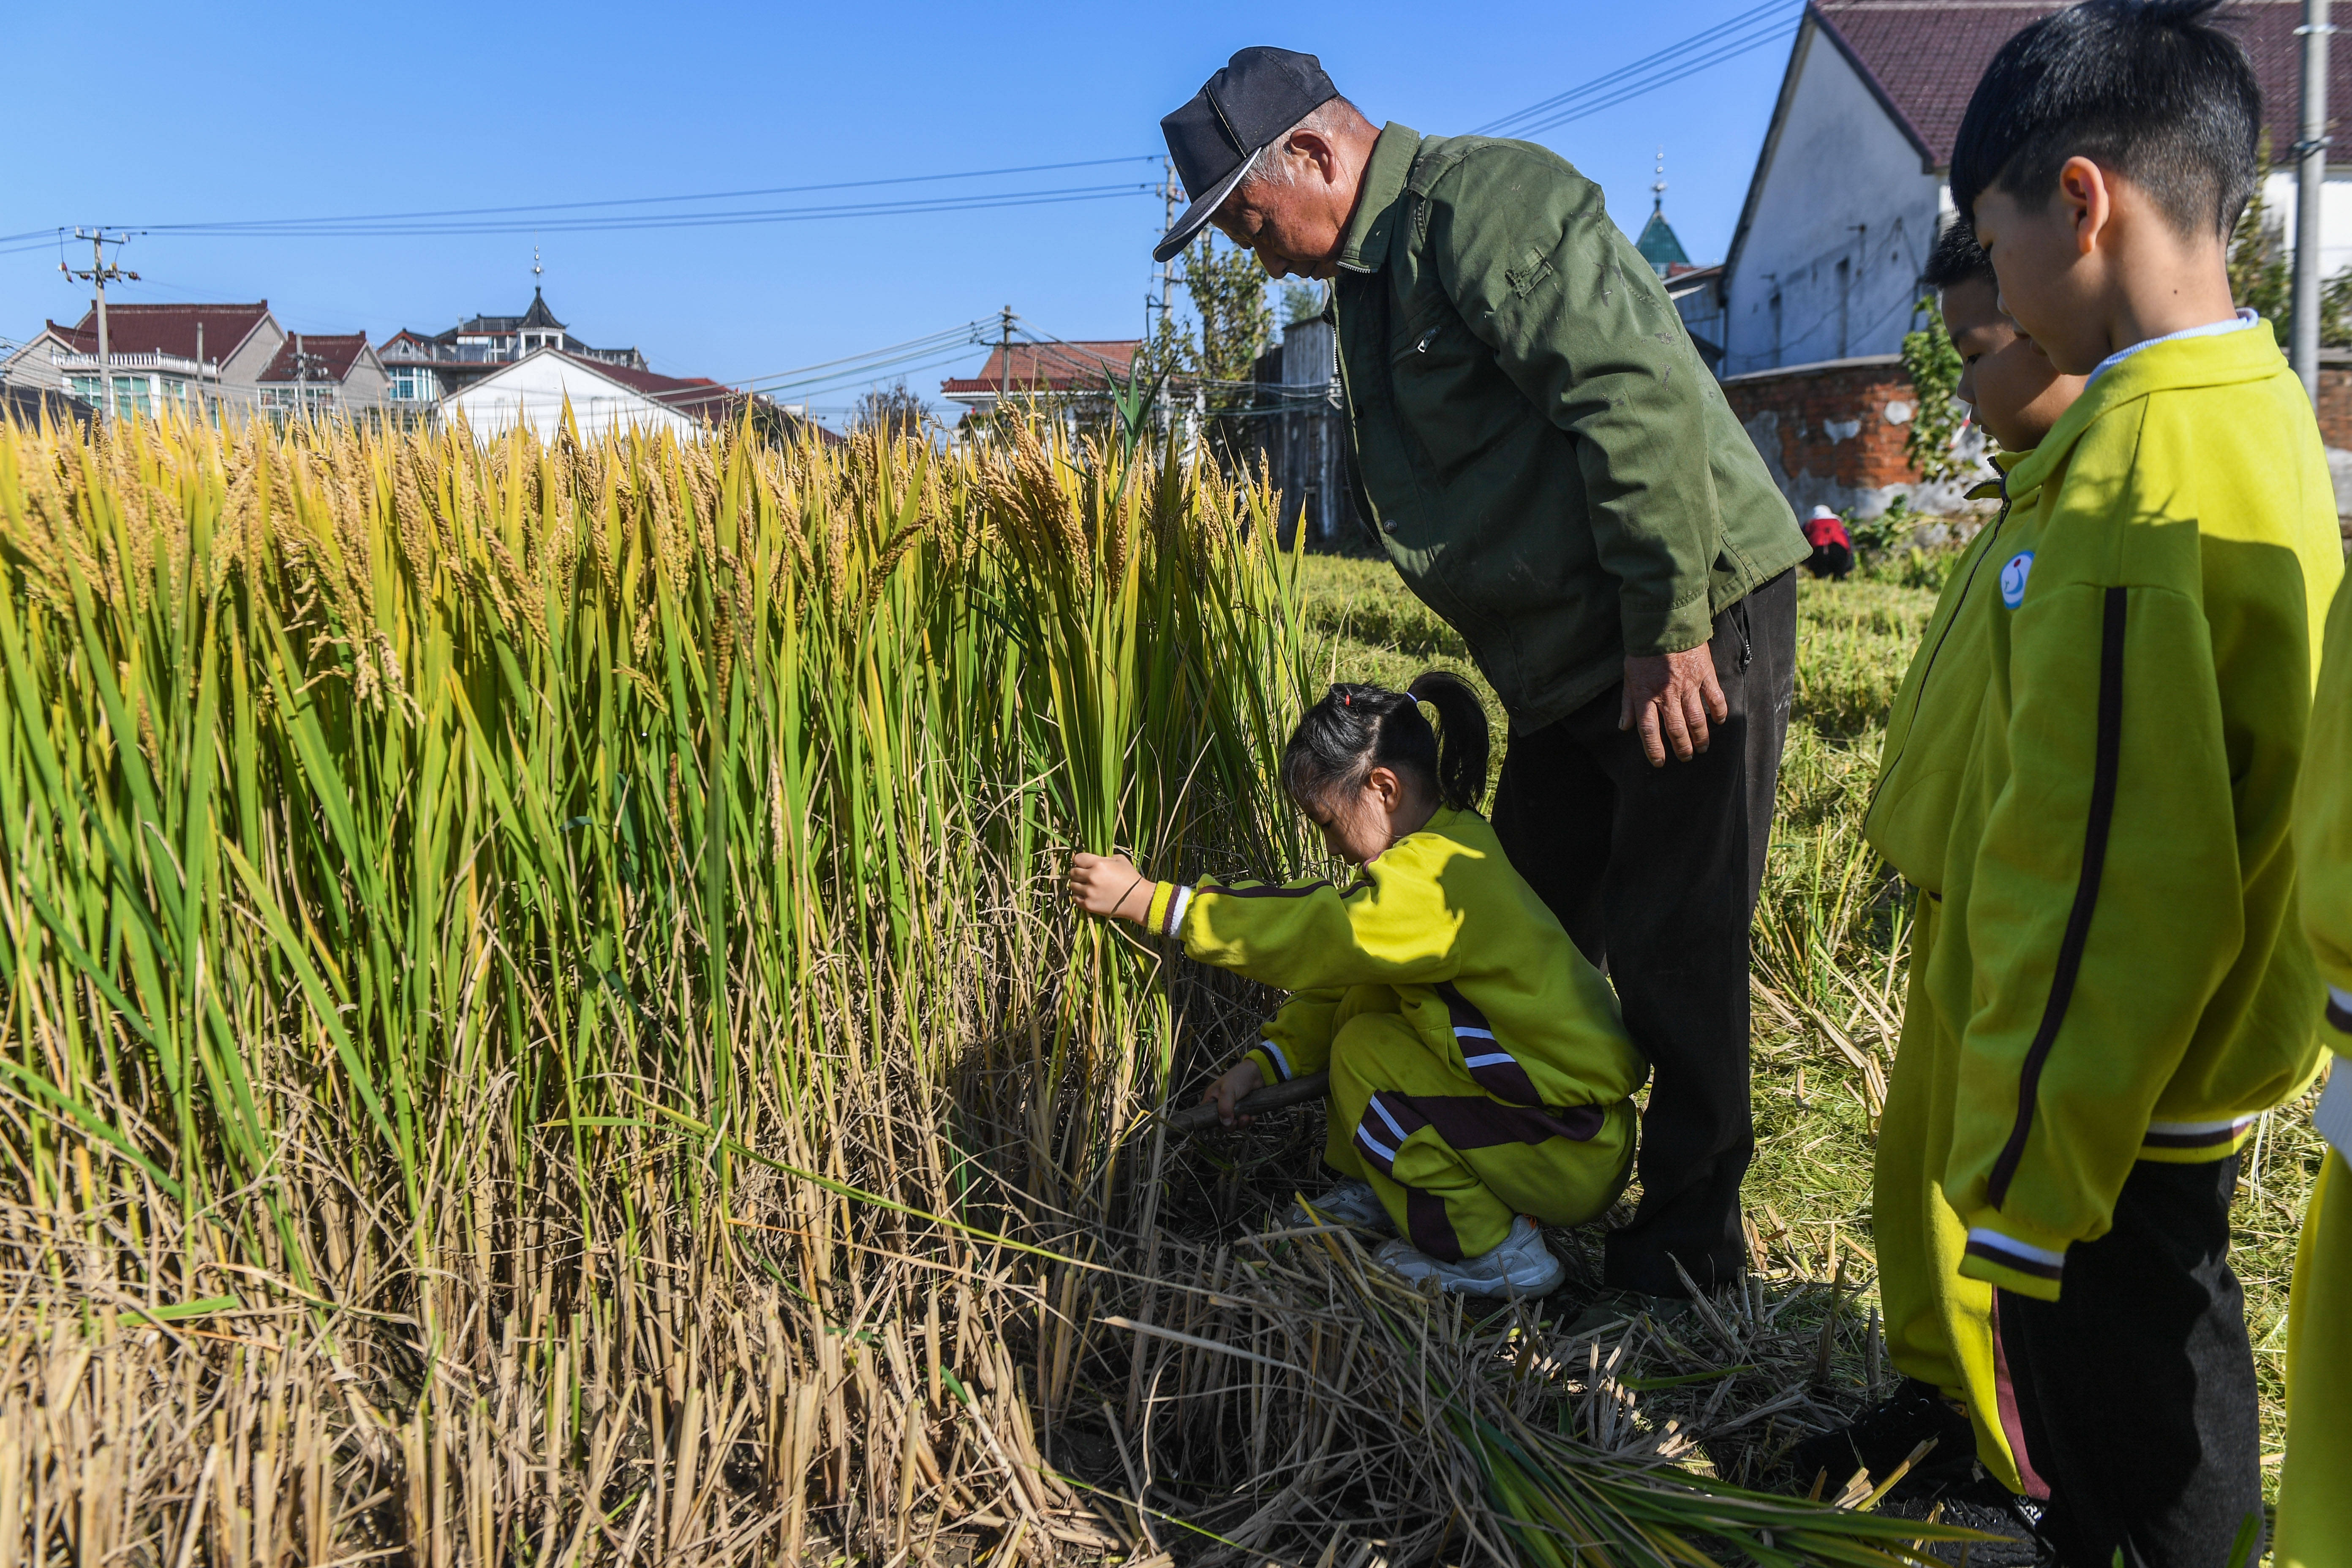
{"type": "Point", "coordinates": [283, 402]}
{"type": "Point", "coordinates": [414, 384]}
{"type": "Point", "coordinates": [130, 393]}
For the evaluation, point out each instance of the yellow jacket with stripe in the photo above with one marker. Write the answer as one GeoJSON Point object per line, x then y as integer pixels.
{"type": "Point", "coordinates": [1933, 724]}
{"type": "Point", "coordinates": [1440, 927]}
{"type": "Point", "coordinates": [2323, 859]}
{"type": "Point", "coordinates": [2134, 982]}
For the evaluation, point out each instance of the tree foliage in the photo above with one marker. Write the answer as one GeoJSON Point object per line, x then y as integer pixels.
{"type": "Point", "coordinates": [1230, 321]}
{"type": "Point", "coordinates": [1934, 366]}
{"type": "Point", "coordinates": [894, 409]}
{"type": "Point", "coordinates": [1227, 287]}
{"type": "Point", "coordinates": [2261, 277]}
{"type": "Point", "coordinates": [2262, 270]}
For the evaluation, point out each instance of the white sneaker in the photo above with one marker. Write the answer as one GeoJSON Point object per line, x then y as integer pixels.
{"type": "Point", "coordinates": [1521, 1266]}
{"type": "Point", "coordinates": [1351, 1203]}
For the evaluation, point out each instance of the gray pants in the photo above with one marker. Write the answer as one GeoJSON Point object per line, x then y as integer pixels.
{"type": "Point", "coordinates": [1654, 872]}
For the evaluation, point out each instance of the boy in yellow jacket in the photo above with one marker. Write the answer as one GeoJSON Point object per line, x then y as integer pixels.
{"type": "Point", "coordinates": [2118, 890]}
{"type": "Point", "coordinates": [2314, 1506]}
{"type": "Point", "coordinates": [1938, 1323]}
{"type": "Point", "coordinates": [1481, 1079]}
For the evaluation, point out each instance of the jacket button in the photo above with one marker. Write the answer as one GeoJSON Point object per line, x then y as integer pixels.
{"type": "Point", "coordinates": [1389, 526]}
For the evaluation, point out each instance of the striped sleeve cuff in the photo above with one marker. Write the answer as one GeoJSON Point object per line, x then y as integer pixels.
{"type": "Point", "coordinates": [1168, 901]}
{"type": "Point", "coordinates": [2012, 1264]}
{"type": "Point", "coordinates": [1272, 1062]}
{"type": "Point", "coordinates": [2196, 1143]}
{"type": "Point", "coordinates": [2339, 1010]}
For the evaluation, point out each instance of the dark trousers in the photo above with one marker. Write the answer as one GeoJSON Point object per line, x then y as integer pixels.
{"type": "Point", "coordinates": [1654, 872]}
{"type": "Point", "coordinates": [2134, 1390]}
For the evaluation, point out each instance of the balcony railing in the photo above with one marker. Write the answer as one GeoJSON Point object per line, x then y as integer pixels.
{"type": "Point", "coordinates": [89, 364]}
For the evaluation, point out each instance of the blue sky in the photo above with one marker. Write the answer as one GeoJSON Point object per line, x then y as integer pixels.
{"type": "Point", "coordinates": [231, 111]}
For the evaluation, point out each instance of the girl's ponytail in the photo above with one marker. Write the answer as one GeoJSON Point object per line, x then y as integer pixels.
{"type": "Point", "coordinates": [1462, 739]}
{"type": "Point", "coordinates": [1357, 727]}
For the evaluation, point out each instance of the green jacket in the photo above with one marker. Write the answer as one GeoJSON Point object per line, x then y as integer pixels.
{"type": "Point", "coordinates": [2133, 979]}
{"type": "Point", "coordinates": [1550, 464]}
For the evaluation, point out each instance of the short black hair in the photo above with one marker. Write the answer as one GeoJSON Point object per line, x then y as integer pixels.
{"type": "Point", "coordinates": [1958, 258]}
{"type": "Point", "coordinates": [2150, 88]}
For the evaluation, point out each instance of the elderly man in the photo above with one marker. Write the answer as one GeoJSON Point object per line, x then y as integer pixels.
{"type": "Point", "coordinates": [1552, 469]}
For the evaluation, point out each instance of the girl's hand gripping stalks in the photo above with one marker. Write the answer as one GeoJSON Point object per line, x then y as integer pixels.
{"type": "Point", "coordinates": [1109, 886]}
{"type": "Point", "coordinates": [1243, 1078]}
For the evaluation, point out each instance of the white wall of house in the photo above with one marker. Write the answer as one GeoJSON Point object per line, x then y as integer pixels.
{"type": "Point", "coordinates": [31, 366]}
{"type": "Point", "coordinates": [367, 385]}
{"type": "Point", "coordinates": [241, 364]}
{"type": "Point", "coordinates": [1842, 222]}
{"type": "Point", "coordinates": [533, 390]}
{"type": "Point", "coordinates": [2335, 216]}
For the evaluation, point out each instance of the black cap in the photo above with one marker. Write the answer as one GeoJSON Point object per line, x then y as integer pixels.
{"type": "Point", "coordinates": [1237, 114]}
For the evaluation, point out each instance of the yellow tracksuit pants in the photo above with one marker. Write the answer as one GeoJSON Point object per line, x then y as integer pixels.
{"type": "Point", "coordinates": [2314, 1508]}
{"type": "Point", "coordinates": [1452, 1163]}
{"type": "Point", "coordinates": [1938, 1325]}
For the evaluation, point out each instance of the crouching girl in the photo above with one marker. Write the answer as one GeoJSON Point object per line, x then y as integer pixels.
{"type": "Point", "coordinates": [1480, 1075]}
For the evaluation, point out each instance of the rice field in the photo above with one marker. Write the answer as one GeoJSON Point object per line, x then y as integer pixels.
{"type": "Point", "coordinates": [538, 1030]}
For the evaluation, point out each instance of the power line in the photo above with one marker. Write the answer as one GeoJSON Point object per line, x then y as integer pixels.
{"type": "Point", "coordinates": [1709, 46]}
{"type": "Point", "coordinates": [904, 207]}
{"type": "Point", "coordinates": [271, 223]}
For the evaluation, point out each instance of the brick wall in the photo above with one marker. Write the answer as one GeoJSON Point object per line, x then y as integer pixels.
{"type": "Point", "coordinates": [2336, 400]}
{"type": "Point", "coordinates": [1832, 434]}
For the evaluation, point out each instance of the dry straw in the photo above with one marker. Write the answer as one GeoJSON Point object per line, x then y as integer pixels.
{"type": "Point", "coordinates": [537, 1031]}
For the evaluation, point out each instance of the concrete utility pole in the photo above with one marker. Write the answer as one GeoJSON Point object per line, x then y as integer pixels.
{"type": "Point", "coordinates": [302, 363]}
{"type": "Point", "coordinates": [2311, 174]}
{"type": "Point", "coordinates": [101, 274]}
{"type": "Point", "coordinates": [1004, 352]}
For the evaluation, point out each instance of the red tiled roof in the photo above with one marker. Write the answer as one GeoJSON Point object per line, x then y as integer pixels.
{"type": "Point", "coordinates": [1926, 55]}
{"type": "Point", "coordinates": [166, 328]}
{"type": "Point", "coordinates": [332, 355]}
{"type": "Point", "coordinates": [686, 393]}
{"type": "Point", "coordinates": [1052, 367]}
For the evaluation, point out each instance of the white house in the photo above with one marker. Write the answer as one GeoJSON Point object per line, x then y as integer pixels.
{"type": "Point", "coordinates": [532, 391]}
{"type": "Point", "coordinates": [188, 357]}
{"type": "Point", "coordinates": [1852, 183]}
{"type": "Point", "coordinates": [424, 368]}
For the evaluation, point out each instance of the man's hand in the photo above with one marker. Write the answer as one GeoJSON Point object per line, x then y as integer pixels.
{"type": "Point", "coordinates": [1110, 885]}
{"type": "Point", "coordinates": [1238, 1081]}
{"type": "Point", "coordinates": [1676, 693]}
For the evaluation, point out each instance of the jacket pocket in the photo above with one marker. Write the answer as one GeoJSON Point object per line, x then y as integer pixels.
{"type": "Point", "coordinates": [1454, 400]}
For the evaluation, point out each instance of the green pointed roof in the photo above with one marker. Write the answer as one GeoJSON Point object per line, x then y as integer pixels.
{"type": "Point", "coordinates": [1658, 244]}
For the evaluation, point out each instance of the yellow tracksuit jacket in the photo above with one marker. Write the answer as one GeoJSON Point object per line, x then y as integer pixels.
{"type": "Point", "coordinates": [2315, 1511]}
{"type": "Point", "coordinates": [1479, 1065]}
{"type": "Point", "coordinates": [2119, 886]}
{"type": "Point", "coordinates": [1938, 1323]}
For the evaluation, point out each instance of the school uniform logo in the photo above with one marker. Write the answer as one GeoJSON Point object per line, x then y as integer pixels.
{"type": "Point", "coordinates": [2013, 576]}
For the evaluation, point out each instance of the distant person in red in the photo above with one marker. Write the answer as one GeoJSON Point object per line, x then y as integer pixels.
{"type": "Point", "coordinates": [1832, 548]}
